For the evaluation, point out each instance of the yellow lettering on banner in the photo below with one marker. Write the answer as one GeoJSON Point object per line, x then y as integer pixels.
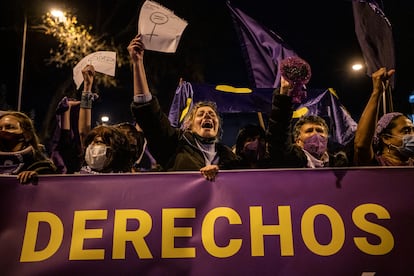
{"type": "Point", "coordinates": [80, 233]}
{"type": "Point", "coordinates": [170, 232]}
{"type": "Point", "coordinates": [258, 230]}
{"type": "Point", "coordinates": [308, 230]}
{"type": "Point", "coordinates": [207, 232]}
{"type": "Point", "coordinates": [121, 235]}
{"type": "Point", "coordinates": [29, 254]}
{"type": "Point", "coordinates": [386, 237]}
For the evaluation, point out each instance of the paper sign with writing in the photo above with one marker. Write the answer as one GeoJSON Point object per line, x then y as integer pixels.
{"type": "Point", "coordinates": [161, 29]}
{"type": "Point", "coordinates": [103, 61]}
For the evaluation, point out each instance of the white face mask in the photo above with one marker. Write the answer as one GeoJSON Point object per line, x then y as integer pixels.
{"type": "Point", "coordinates": [407, 147]}
{"type": "Point", "coordinates": [95, 156]}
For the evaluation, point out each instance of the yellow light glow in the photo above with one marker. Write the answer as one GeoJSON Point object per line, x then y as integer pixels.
{"type": "Point", "coordinates": [357, 67]}
{"type": "Point", "coordinates": [59, 15]}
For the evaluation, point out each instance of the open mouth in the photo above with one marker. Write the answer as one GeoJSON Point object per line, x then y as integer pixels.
{"type": "Point", "coordinates": [207, 125]}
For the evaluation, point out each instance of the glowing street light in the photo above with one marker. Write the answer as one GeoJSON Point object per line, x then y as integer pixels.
{"type": "Point", "coordinates": [105, 119]}
{"type": "Point", "coordinates": [59, 15]}
{"type": "Point", "coordinates": [357, 67]}
{"type": "Point", "coordinates": [61, 18]}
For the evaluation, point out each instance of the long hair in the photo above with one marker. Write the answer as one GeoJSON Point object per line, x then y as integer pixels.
{"type": "Point", "coordinates": [119, 157]}
{"type": "Point", "coordinates": [136, 139]}
{"type": "Point", "coordinates": [27, 126]}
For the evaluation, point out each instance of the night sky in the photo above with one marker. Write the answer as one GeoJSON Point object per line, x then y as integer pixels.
{"type": "Point", "coordinates": [321, 32]}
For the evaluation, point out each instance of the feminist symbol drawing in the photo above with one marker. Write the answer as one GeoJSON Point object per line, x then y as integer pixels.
{"type": "Point", "coordinates": [158, 18]}
{"type": "Point", "coordinates": [161, 29]}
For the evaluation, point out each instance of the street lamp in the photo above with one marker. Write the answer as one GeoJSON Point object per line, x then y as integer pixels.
{"type": "Point", "coordinates": [105, 119]}
{"type": "Point", "coordinates": [59, 15]}
{"type": "Point", "coordinates": [19, 102]}
{"type": "Point", "coordinates": [357, 67]}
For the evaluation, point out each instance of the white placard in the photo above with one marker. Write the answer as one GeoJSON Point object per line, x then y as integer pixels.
{"type": "Point", "coordinates": [160, 28]}
{"type": "Point", "coordinates": [103, 61]}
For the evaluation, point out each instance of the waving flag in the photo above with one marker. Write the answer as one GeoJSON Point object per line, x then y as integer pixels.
{"type": "Point", "coordinates": [262, 48]}
{"type": "Point", "coordinates": [181, 104]}
{"type": "Point", "coordinates": [322, 102]}
{"type": "Point", "coordinates": [326, 104]}
{"type": "Point", "coordinates": [374, 34]}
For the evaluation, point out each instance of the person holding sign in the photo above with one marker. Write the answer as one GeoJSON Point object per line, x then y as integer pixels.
{"type": "Point", "coordinates": [388, 141]}
{"type": "Point", "coordinates": [196, 145]}
{"type": "Point", "coordinates": [86, 150]}
{"type": "Point", "coordinates": [74, 119]}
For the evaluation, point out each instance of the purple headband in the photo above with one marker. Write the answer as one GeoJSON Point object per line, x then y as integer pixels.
{"type": "Point", "coordinates": [383, 123]}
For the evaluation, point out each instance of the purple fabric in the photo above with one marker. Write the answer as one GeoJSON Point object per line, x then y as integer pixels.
{"type": "Point", "coordinates": [326, 104]}
{"type": "Point", "coordinates": [374, 33]}
{"type": "Point", "coordinates": [336, 222]}
{"type": "Point", "coordinates": [183, 92]}
{"type": "Point", "coordinates": [319, 102]}
{"type": "Point", "coordinates": [55, 153]}
{"type": "Point", "coordinates": [262, 48]}
{"type": "Point", "coordinates": [59, 159]}
{"type": "Point", "coordinates": [257, 101]}
{"type": "Point", "coordinates": [316, 145]}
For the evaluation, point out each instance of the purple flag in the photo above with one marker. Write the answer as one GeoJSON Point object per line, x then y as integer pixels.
{"type": "Point", "coordinates": [263, 49]}
{"type": "Point", "coordinates": [181, 104]}
{"type": "Point", "coordinates": [374, 34]}
{"type": "Point", "coordinates": [326, 104]}
{"type": "Point", "coordinates": [321, 102]}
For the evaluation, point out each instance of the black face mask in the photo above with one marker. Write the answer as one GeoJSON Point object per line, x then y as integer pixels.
{"type": "Point", "coordinates": [8, 140]}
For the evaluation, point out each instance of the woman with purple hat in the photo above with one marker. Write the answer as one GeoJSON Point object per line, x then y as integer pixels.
{"type": "Point", "coordinates": [388, 141]}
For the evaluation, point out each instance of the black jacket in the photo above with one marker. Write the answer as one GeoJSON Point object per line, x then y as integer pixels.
{"type": "Point", "coordinates": [283, 152]}
{"type": "Point", "coordinates": [173, 148]}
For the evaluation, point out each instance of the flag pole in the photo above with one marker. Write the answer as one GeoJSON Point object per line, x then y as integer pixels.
{"type": "Point", "coordinates": [384, 102]}
{"type": "Point", "coordinates": [22, 59]}
{"type": "Point", "coordinates": [261, 121]}
{"type": "Point", "coordinates": [387, 104]}
{"type": "Point", "coordinates": [389, 98]}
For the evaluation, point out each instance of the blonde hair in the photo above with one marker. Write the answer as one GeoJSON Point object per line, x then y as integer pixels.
{"type": "Point", "coordinates": [189, 119]}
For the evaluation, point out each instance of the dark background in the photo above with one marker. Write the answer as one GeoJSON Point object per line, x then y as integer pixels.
{"type": "Point", "coordinates": [321, 32]}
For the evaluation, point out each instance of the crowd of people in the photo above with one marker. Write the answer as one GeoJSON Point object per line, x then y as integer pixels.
{"type": "Point", "coordinates": [151, 143]}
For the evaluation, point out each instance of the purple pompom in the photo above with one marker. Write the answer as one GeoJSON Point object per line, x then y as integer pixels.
{"type": "Point", "coordinates": [298, 73]}
{"type": "Point", "coordinates": [295, 70]}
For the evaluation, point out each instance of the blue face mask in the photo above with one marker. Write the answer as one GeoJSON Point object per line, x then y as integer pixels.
{"type": "Point", "coordinates": [407, 147]}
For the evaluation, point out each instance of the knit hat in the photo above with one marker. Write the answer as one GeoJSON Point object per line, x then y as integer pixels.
{"type": "Point", "coordinates": [383, 123]}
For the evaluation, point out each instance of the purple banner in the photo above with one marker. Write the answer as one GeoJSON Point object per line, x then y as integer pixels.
{"type": "Point", "coordinates": [270, 222]}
